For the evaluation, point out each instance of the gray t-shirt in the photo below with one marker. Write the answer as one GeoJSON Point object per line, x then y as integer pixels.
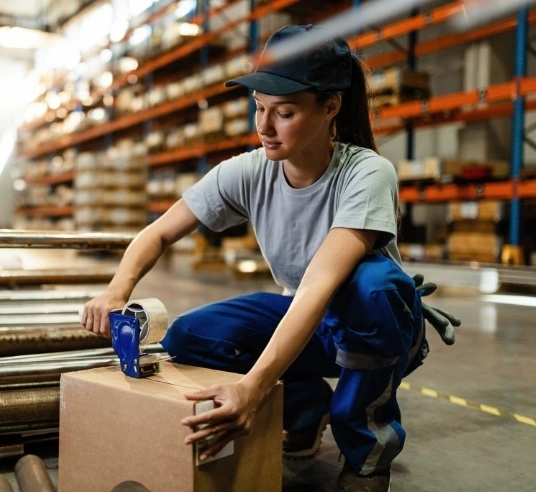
{"type": "Point", "coordinates": [359, 190]}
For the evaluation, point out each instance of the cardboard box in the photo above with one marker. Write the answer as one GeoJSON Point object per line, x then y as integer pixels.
{"type": "Point", "coordinates": [483, 210]}
{"type": "Point", "coordinates": [474, 246]}
{"type": "Point", "coordinates": [428, 169]}
{"type": "Point", "coordinates": [114, 428]}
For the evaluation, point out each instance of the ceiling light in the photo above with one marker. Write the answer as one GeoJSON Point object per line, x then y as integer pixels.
{"type": "Point", "coordinates": [188, 29]}
{"type": "Point", "coordinates": [184, 8]}
{"type": "Point", "coordinates": [22, 38]}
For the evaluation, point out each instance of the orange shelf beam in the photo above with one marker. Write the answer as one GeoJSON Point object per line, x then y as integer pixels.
{"type": "Point", "coordinates": [125, 122]}
{"type": "Point", "coordinates": [406, 26]}
{"type": "Point", "coordinates": [201, 41]}
{"type": "Point", "coordinates": [51, 179]}
{"type": "Point", "coordinates": [183, 154]}
{"type": "Point", "coordinates": [504, 190]}
{"type": "Point", "coordinates": [496, 93]}
{"type": "Point", "coordinates": [499, 110]}
{"type": "Point", "coordinates": [445, 42]}
{"type": "Point", "coordinates": [45, 211]}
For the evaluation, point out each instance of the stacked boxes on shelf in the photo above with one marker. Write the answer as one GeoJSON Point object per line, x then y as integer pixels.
{"type": "Point", "coordinates": [436, 169]}
{"type": "Point", "coordinates": [396, 85]}
{"type": "Point", "coordinates": [111, 189]}
{"type": "Point", "coordinates": [473, 235]}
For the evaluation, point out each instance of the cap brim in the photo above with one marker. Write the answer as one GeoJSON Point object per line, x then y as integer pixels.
{"type": "Point", "coordinates": [268, 83]}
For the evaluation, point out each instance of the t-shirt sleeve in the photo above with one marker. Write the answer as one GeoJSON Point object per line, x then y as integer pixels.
{"type": "Point", "coordinates": [220, 199]}
{"type": "Point", "coordinates": [369, 199]}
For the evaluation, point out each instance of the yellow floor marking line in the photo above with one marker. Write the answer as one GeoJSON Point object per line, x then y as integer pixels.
{"type": "Point", "coordinates": [469, 404]}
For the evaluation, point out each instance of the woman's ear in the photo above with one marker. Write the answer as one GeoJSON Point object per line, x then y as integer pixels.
{"type": "Point", "coordinates": [333, 106]}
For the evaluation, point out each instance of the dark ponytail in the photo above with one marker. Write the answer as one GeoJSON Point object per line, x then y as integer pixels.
{"type": "Point", "coordinates": [352, 124]}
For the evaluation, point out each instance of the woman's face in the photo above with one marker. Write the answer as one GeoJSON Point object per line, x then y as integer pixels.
{"type": "Point", "coordinates": [293, 125]}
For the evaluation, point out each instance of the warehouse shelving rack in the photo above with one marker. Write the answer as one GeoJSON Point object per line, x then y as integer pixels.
{"type": "Point", "coordinates": [504, 99]}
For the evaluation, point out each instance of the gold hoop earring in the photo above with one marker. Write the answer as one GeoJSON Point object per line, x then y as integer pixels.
{"type": "Point", "coordinates": [333, 131]}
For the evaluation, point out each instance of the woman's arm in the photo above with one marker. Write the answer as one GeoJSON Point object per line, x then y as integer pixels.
{"type": "Point", "coordinates": [139, 258]}
{"type": "Point", "coordinates": [336, 258]}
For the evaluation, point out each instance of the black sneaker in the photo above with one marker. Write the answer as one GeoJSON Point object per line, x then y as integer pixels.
{"type": "Point", "coordinates": [304, 443]}
{"type": "Point", "coordinates": [350, 481]}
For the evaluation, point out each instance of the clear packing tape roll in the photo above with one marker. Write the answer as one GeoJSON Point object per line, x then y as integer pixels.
{"type": "Point", "coordinates": [152, 317]}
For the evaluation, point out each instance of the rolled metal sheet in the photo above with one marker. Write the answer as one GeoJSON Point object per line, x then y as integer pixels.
{"type": "Point", "coordinates": [34, 320]}
{"type": "Point", "coordinates": [11, 449]}
{"type": "Point", "coordinates": [55, 367]}
{"type": "Point", "coordinates": [7, 297]}
{"type": "Point", "coordinates": [11, 238]}
{"type": "Point", "coordinates": [32, 475]}
{"type": "Point", "coordinates": [39, 308]}
{"type": "Point", "coordinates": [23, 407]}
{"type": "Point", "coordinates": [30, 340]}
{"type": "Point", "coordinates": [70, 355]}
{"type": "Point", "coordinates": [56, 276]}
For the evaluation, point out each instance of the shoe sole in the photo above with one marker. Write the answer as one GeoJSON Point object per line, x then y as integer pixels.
{"type": "Point", "coordinates": [307, 454]}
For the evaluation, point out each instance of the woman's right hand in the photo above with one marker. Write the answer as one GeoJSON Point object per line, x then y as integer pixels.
{"type": "Point", "coordinates": [95, 315]}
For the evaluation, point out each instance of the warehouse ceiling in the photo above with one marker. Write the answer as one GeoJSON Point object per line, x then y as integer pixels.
{"type": "Point", "coordinates": [44, 15]}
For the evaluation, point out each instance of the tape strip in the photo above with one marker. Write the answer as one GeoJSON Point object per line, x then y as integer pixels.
{"type": "Point", "coordinates": [456, 400]}
{"type": "Point", "coordinates": [152, 316]}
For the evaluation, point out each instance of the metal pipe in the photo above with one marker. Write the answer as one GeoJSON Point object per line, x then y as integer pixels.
{"type": "Point", "coordinates": [11, 238]}
{"type": "Point", "coordinates": [39, 308]}
{"type": "Point", "coordinates": [56, 276]}
{"type": "Point", "coordinates": [19, 296]}
{"type": "Point", "coordinates": [11, 449]}
{"type": "Point", "coordinates": [38, 340]}
{"type": "Point", "coordinates": [74, 354]}
{"type": "Point", "coordinates": [32, 475]}
{"type": "Point", "coordinates": [55, 367]}
{"type": "Point", "coordinates": [12, 321]}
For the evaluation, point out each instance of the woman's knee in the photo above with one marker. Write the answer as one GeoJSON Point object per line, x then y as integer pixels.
{"type": "Point", "coordinates": [180, 336]}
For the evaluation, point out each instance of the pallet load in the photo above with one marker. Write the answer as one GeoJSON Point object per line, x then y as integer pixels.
{"type": "Point", "coordinates": [395, 85]}
{"type": "Point", "coordinates": [473, 234]}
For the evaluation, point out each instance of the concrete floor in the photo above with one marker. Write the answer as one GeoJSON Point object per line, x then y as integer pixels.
{"type": "Point", "coordinates": [449, 447]}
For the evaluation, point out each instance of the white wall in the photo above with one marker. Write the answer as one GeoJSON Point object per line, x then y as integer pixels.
{"type": "Point", "coordinates": [13, 73]}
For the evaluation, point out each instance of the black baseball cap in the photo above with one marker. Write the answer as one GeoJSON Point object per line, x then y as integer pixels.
{"type": "Point", "coordinates": [326, 67]}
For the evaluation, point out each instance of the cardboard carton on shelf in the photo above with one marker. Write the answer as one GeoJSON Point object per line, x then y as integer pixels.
{"type": "Point", "coordinates": [474, 170]}
{"type": "Point", "coordinates": [114, 428]}
{"type": "Point", "coordinates": [419, 169]}
{"type": "Point", "coordinates": [411, 251]}
{"type": "Point", "coordinates": [482, 210]}
{"type": "Point", "coordinates": [474, 246]}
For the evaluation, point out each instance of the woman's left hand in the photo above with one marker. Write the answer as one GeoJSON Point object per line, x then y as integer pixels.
{"type": "Point", "coordinates": [236, 406]}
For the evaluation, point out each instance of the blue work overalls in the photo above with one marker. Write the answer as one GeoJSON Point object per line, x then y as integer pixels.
{"type": "Point", "coordinates": [364, 340]}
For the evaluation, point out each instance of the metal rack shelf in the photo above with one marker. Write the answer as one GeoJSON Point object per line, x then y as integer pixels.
{"type": "Point", "coordinates": [503, 190]}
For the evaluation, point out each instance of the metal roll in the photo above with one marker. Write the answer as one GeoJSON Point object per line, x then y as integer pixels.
{"type": "Point", "coordinates": [36, 406]}
{"type": "Point", "coordinates": [16, 341]}
{"type": "Point", "coordinates": [5, 486]}
{"type": "Point", "coordinates": [32, 475]}
{"type": "Point", "coordinates": [29, 371]}
{"type": "Point", "coordinates": [55, 276]}
{"type": "Point", "coordinates": [10, 450]}
{"type": "Point", "coordinates": [8, 297]}
{"type": "Point", "coordinates": [10, 238]}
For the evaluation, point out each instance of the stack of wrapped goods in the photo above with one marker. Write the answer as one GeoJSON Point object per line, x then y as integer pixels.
{"type": "Point", "coordinates": [473, 235]}
{"type": "Point", "coordinates": [396, 85]}
{"type": "Point", "coordinates": [111, 189]}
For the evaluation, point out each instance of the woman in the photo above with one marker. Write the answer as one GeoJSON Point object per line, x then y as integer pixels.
{"type": "Point", "coordinates": [324, 208]}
